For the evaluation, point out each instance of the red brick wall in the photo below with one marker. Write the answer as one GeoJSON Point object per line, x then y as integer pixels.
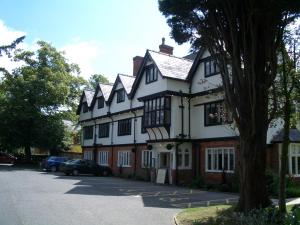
{"type": "Point", "coordinates": [215, 177]}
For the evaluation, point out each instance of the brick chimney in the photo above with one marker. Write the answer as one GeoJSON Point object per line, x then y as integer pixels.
{"type": "Point", "coordinates": [165, 48]}
{"type": "Point", "coordinates": [137, 62]}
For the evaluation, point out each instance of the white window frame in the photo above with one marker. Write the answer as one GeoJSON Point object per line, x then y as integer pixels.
{"type": "Point", "coordinates": [103, 158]}
{"type": "Point", "coordinates": [88, 154]}
{"type": "Point", "coordinates": [215, 159]}
{"type": "Point", "coordinates": [124, 158]}
{"type": "Point", "coordinates": [183, 155]}
{"type": "Point", "coordinates": [147, 159]}
{"type": "Point", "coordinates": [294, 151]}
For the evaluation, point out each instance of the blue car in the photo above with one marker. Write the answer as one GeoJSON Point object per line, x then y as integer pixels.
{"type": "Point", "coordinates": [53, 163]}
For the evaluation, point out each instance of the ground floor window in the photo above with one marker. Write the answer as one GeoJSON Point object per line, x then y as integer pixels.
{"type": "Point", "coordinates": [103, 158]}
{"type": "Point", "coordinates": [184, 158]}
{"type": "Point", "coordinates": [147, 161]}
{"type": "Point", "coordinates": [220, 159]}
{"type": "Point", "coordinates": [88, 155]}
{"type": "Point", "coordinates": [294, 159]}
{"type": "Point", "coordinates": [124, 158]}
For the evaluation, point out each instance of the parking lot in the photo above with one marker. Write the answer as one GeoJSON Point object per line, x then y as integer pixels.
{"type": "Point", "coordinates": [32, 197]}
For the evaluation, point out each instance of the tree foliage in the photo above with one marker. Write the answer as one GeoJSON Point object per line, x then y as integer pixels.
{"type": "Point", "coordinates": [36, 97]}
{"type": "Point", "coordinates": [97, 78]}
{"type": "Point", "coordinates": [243, 37]}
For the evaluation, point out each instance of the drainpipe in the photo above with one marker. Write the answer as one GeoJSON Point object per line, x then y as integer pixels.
{"type": "Point", "coordinates": [134, 138]}
{"type": "Point", "coordinates": [181, 138]}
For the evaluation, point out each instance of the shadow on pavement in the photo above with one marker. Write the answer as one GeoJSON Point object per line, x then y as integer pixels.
{"type": "Point", "coordinates": [152, 195]}
{"type": "Point", "coordinates": [14, 167]}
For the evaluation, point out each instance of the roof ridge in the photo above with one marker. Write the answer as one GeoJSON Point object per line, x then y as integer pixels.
{"type": "Point", "coordinates": [126, 75]}
{"type": "Point", "coordinates": [173, 56]}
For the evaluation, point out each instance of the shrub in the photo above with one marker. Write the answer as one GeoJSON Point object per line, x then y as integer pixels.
{"type": "Point", "coordinates": [198, 182]}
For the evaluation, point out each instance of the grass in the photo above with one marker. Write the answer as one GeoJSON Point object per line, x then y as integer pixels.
{"type": "Point", "coordinates": [189, 216]}
{"type": "Point", "coordinates": [210, 215]}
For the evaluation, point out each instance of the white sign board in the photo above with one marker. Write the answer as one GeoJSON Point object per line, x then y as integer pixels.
{"type": "Point", "coordinates": [161, 176]}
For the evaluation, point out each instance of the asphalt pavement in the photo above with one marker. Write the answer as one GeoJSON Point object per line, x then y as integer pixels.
{"type": "Point", "coordinates": [31, 197]}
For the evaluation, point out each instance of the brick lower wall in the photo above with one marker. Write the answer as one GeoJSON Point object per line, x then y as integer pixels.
{"type": "Point", "coordinates": [215, 177]}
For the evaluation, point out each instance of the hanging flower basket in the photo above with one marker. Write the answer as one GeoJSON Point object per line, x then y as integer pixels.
{"type": "Point", "coordinates": [169, 146]}
{"type": "Point", "coordinates": [149, 147]}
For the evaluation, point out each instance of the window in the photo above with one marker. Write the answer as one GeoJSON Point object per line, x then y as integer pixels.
{"type": "Point", "coordinates": [151, 74]}
{"type": "Point", "coordinates": [120, 95]}
{"type": "Point", "coordinates": [184, 159]}
{"type": "Point", "coordinates": [85, 107]}
{"type": "Point", "coordinates": [143, 129]}
{"type": "Point", "coordinates": [216, 113]}
{"type": "Point", "coordinates": [157, 112]}
{"type": "Point", "coordinates": [210, 68]}
{"type": "Point", "coordinates": [103, 158]}
{"type": "Point", "coordinates": [147, 161]}
{"type": "Point", "coordinates": [100, 102]}
{"type": "Point", "coordinates": [294, 159]}
{"type": "Point", "coordinates": [124, 127]}
{"type": "Point", "coordinates": [88, 132]}
{"type": "Point", "coordinates": [103, 130]}
{"type": "Point", "coordinates": [88, 155]}
{"type": "Point", "coordinates": [219, 159]}
{"type": "Point", "coordinates": [124, 158]}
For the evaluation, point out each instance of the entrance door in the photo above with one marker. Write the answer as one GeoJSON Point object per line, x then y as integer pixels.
{"type": "Point", "coordinates": [165, 163]}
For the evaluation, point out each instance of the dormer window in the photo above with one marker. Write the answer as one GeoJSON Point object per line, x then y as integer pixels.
{"type": "Point", "coordinates": [151, 74]}
{"type": "Point", "coordinates": [100, 102]}
{"type": "Point", "coordinates": [120, 95]}
{"type": "Point", "coordinates": [210, 68]}
{"type": "Point", "coordinates": [85, 107]}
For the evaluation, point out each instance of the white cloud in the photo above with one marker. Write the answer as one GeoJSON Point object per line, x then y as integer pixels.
{"type": "Point", "coordinates": [8, 35]}
{"type": "Point", "coordinates": [84, 53]}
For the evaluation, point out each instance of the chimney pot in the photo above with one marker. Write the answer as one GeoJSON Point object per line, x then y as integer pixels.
{"type": "Point", "coordinates": [165, 48]}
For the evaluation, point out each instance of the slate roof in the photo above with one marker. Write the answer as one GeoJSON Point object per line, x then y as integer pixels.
{"type": "Point", "coordinates": [294, 136]}
{"type": "Point", "coordinates": [89, 94]}
{"type": "Point", "coordinates": [171, 66]}
{"type": "Point", "coordinates": [127, 82]}
{"type": "Point", "coordinates": [106, 89]}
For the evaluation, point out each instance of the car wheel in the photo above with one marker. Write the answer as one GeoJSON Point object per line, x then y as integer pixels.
{"type": "Point", "coordinates": [53, 169]}
{"type": "Point", "coordinates": [75, 172]}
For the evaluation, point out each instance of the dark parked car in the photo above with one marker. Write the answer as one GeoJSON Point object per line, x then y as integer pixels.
{"type": "Point", "coordinates": [7, 158]}
{"type": "Point", "coordinates": [53, 163]}
{"type": "Point", "coordinates": [83, 166]}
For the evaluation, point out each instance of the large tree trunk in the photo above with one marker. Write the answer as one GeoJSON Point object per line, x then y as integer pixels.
{"type": "Point", "coordinates": [28, 152]}
{"type": "Point", "coordinates": [252, 165]}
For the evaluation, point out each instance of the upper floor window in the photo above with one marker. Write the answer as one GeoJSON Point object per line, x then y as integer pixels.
{"type": "Point", "coordinates": [210, 68]}
{"type": "Point", "coordinates": [103, 130]}
{"type": "Point", "coordinates": [100, 102]}
{"type": "Point", "coordinates": [124, 127]}
{"type": "Point", "coordinates": [88, 132]}
{"type": "Point", "coordinates": [216, 113]}
{"type": "Point", "coordinates": [294, 159]}
{"type": "Point", "coordinates": [220, 159]}
{"type": "Point", "coordinates": [120, 95]}
{"type": "Point", "coordinates": [85, 107]}
{"type": "Point", "coordinates": [157, 112]}
{"type": "Point", "coordinates": [151, 74]}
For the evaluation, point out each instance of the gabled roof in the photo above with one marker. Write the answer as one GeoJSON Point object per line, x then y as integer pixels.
{"type": "Point", "coordinates": [88, 94]}
{"type": "Point", "coordinates": [127, 82]}
{"type": "Point", "coordinates": [294, 136]}
{"type": "Point", "coordinates": [105, 90]}
{"type": "Point", "coordinates": [171, 66]}
{"type": "Point", "coordinates": [195, 64]}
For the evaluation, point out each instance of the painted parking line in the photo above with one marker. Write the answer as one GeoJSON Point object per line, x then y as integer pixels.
{"type": "Point", "coordinates": [204, 203]}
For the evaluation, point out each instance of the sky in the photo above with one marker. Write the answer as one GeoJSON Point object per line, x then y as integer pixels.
{"type": "Point", "coordinates": [101, 36]}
